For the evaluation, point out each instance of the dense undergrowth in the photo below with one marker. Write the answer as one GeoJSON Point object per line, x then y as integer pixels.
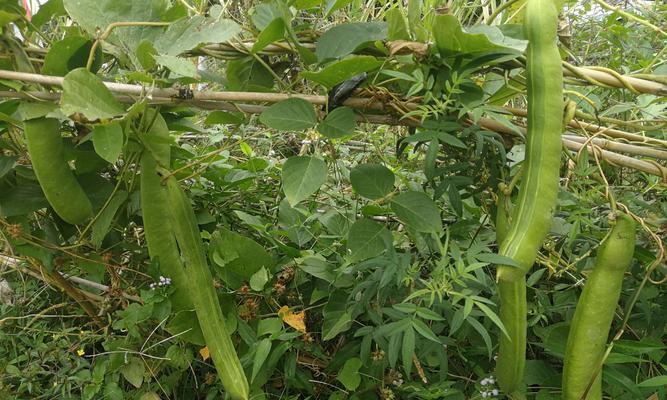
{"type": "Point", "coordinates": [350, 261]}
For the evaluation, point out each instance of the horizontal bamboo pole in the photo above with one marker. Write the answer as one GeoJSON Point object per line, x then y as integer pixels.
{"type": "Point", "coordinates": [592, 128]}
{"type": "Point", "coordinates": [594, 74]}
{"type": "Point", "coordinates": [620, 147]}
{"type": "Point", "coordinates": [620, 160]}
{"type": "Point", "coordinates": [487, 123]}
{"type": "Point", "coordinates": [221, 101]}
{"type": "Point", "coordinates": [354, 102]}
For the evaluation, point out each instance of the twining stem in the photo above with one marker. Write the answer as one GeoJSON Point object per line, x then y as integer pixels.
{"type": "Point", "coordinates": [109, 30]}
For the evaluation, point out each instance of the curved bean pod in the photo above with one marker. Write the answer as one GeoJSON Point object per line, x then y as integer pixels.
{"type": "Point", "coordinates": [203, 293]}
{"type": "Point", "coordinates": [531, 218]}
{"type": "Point", "coordinates": [595, 312]}
{"type": "Point", "coordinates": [157, 227]}
{"type": "Point", "coordinates": [60, 186]}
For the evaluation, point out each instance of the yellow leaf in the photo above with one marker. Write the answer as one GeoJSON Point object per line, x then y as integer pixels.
{"type": "Point", "coordinates": [204, 353]}
{"type": "Point", "coordinates": [296, 321]}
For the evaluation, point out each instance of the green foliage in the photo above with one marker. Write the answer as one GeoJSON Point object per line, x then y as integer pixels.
{"type": "Point", "coordinates": [345, 260]}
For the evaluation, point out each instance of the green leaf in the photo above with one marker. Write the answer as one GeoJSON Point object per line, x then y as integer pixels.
{"type": "Point", "coordinates": [85, 93]}
{"type": "Point", "coordinates": [186, 325]}
{"type": "Point", "coordinates": [262, 351]}
{"type": "Point", "coordinates": [483, 333]}
{"type": "Point", "coordinates": [290, 115]}
{"type": "Point", "coordinates": [417, 211]}
{"type": "Point", "coordinates": [339, 71]}
{"type": "Point", "coordinates": [497, 259]}
{"type": "Point", "coordinates": [349, 374]}
{"type": "Point", "coordinates": [47, 12]}
{"type": "Point", "coordinates": [338, 123]}
{"type": "Point", "coordinates": [492, 316]}
{"type": "Point", "coordinates": [269, 326]}
{"type": "Point", "coordinates": [656, 381]}
{"type": "Point", "coordinates": [92, 15]}
{"type": "Point", "coordinates": [247, 74]}
{"type": "Point", "coordinates": [13, 370]}
{"type": "Point", "coordinates": [6, 164]}
{"type": "Point", "coordinates": [333, 5]}
{"type": "Point", "coordinates": [424, 330]}
{"type": "Point", "coordinates": [367, 239]}
{"type": "Point", "coordinates": [408, 349]}
{"type": "Point", "coordinates": [343, 39]}
{"type": "Point", "coordinates": [178, 65]}
{"type": "Point", "coordinates": [306, 4]}
{"type": "Point", "coordinates": [336, 319]}
{"type": "Point", "coordinates": [22, 199]}
{"type": "Point", "coordinates": [238, 257]}
{"type": "Point", "coordinates": [69, 54]}
{"type": "Point", "coordinates": [273, 32]}
{"type": "Point", "coordinates": [103, 221]}
{"type": "Point", "coordinates": [451, 39]}
{"type": "Point", "coordinates": [397, 29]}
{"type": "Point", "coordinates": [372, 181]}
{"type": "Point", "coordinates": [224, 117]}
{"type": "Point", "coordinates": [108, 141]}
{"type": "Point", "coordinates": [302, 176]}
{"type": "Point", "coordinates": [317, 266]}
{"type": "Point", "coordinates": [259, 279]}
{"type": "Point", "coordinates": [189, 33]}
{"type": "Point", "coordinates": [134, 371]}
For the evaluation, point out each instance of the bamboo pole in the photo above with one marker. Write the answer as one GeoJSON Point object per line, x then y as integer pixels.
{"type": "Point", "coordinates": [592, 128]}
{"type": "Point", "coordinates": [221, 101]}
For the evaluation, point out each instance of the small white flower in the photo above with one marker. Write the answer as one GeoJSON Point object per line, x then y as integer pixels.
{"type": "Point", "coordinates": [484, 395]}
{"type": "Point", "coordinates": [495, 392]}
{"type": "Point", "coordinates": [484, 382]}
{"type": "Point", "coordinates": [491, 381]}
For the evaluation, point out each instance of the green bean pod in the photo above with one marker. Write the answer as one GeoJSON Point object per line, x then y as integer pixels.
{"type": "Point", "coordinates": [203, 293]}
{"type": "Point", "coordinates": [531, 219]}
{"type": "Point", "coordinates": [157, 227]}
{"type": "Point", "coordinates": [592, 319]}
{"type": "Point", "coordinates": [60, 186]}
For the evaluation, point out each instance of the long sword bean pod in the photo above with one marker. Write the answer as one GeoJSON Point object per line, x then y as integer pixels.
{"type": "Point", "coordinates": [595, 312]}
{"type": "Point", "coordinates": [60, 186]}
{"type": "Point", "coordinates": [157, 227]}
{"type": "Point", "coordinates": [203, 293]}
{"type": "Point", "coordinates": [531, 219]}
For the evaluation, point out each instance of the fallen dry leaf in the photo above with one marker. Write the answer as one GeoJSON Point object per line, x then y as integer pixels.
{"type": "Point", "coordinates": [296, 321]}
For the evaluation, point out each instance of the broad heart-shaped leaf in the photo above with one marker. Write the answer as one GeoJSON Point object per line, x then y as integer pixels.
{"type": "Point", "coordinates": [134, 371]}
{"type": "Point", "coordinates": [339, 71]}
{"type": "Point", "coordinates": [338, 123]}
{"type": "Point", "coordinates": [247, 74]}
{"type": "Point", "coordinates": [178, 65]}
{"type": "Point", "coordinates": [85, 93]}
{"type": "Point", "coordinates": [188, 33]}
{"type": "Point", "coordinates": [92, 15]}
{"type": "Point", "coordinates": [417, 211]}
{"type": "Point", "coordinates": [367, 239]}
{"type": "Point", "coordinates": [68, 54]}
{"type": "Point", "coordinates": [373, 181]}
{"type": "Point", "coordinates": [238, 257]}
{"type": "Point", "coordinates": [259, 279]}
{"type": "Point", "coordinates": [343, 39]}
{"type": "Point", "coordinates": [302, 176]}
{"type": "Point", "coordinates": [290, 115]}
{"type": "Point", "coordinates": [108, 141]}
{"type": "Point", "coordinates": [451, 39]}
{"type": "Point", "coordinates": [349, 374]}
